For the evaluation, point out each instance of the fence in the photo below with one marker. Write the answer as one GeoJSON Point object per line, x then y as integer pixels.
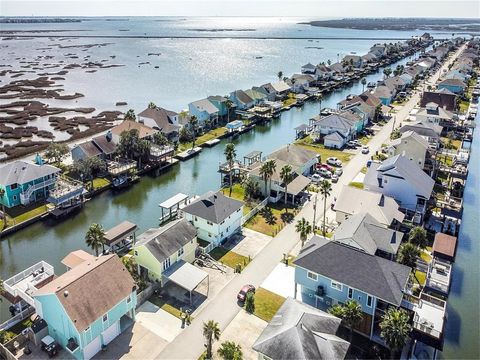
{"type": "Point", "coordinates": [17, 318]}
{"type": "Point", "coordinates": [254, 211]}
{"type": "Point", "coordinates": [145, 294]}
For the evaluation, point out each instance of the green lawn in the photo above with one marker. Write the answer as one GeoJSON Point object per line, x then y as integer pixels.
{"type": "Point", "coordinates": [267, 304]}
{"type": "Point", "coordinates": [210, 135]}
{"type": "Point", "coordinates": [270, 220]}
{"type": "Point", "coordinates": [238, 193]}
{"type": "Point", "coordinates": [463, 106]}
{"type": "Point", "coordinates": [229, 258]}
{"type": "Point", "coordinates": [420, 277]}
{"type": "Point", "coordinates": [364, 140]}
{"type": "Point", "coordinates": [166, 307]}
{"type": "Point", "coordinates": [425, 257]}
{"type": "Point", "coordinates": [358, 185]}
{"type": "Point", "coordinates": [99, 183]}
{"type": "Point", "coordinates": [16, 329]}
{"type": "Point", "coordinates": [324, 152]}
{"type": "Point", "coordinates": [290, 101]}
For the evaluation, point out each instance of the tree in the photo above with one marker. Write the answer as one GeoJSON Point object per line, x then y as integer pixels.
{"type": "Point", "coordinates": [418, 237]}
{"type": "Point", "coordinates": [56, 152]}
{"type": "Point", "coordinates": [128, 145]}
{"type": "Point", "coordinates": [193, 123]}
{"type": "Point", "coordinates": [280, 75]}
{"type": "Point", "coordinates": [304, 228]}
{"type": "Point", "coordinates": [230, 155]}
{"type": "Point", "coordinates": [2, 196]}
{"type": "Point", "coordinates": [130, 115]}
{"type": "Point", "coordinates": [94, 237]}
{"type": "Point", "coordinates": [151, 105]}
{"type": "Point", "coordinates": [351, 314]}
{"type": "Point", "coordinates": [395, 330]}
{"type": "Point", "coordinates": [211, 333]}
{"type": "Point", "coordinates": [395, 134]}
{"type": "Point", "coordinates": [184, 135]}
{"type": "Point", "coordinates": [160, 139]}
{"type": "Point", "coordinates": [266, 172]}
{"type": "Point", "coordinates": [408, 255]}
{"type": "Point", "coordinates": [387, 71]}
{"type": "Point", "coordinates": [250, 302]}
{"type": "Point", "coordinates": [286, 176]}
{"type": "Point", "coordinates": [230, 351]}
{"type": "Point", "coordinates": [378, 112]}
{"type": "Point", "coordinates": [325, 189]}
{"type": "Point", "coordinates": [329, 62]}
{"type": "Point", "coordinates": [364, 82]}
{"type": "Point", "coordinates": [320, 98]}
{"type": "Point", "coordinates": [250, 187]}
{"type": "Point", "coordinates": [228, 105]}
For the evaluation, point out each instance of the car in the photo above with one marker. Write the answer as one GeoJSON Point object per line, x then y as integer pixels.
{"type": "Point", "coordinates": [334, 178]}
{"type": "Point", "coordinates": [339, 172]}
{"type": "Point", "coordinates": [334, 161]}
{"type": "Point", "coordinates": [352, 145]}
{"type": "Point", "coordinates": [365, 150]}
{"type": "Point", "coordinates": [316, 178]}
{"type": "Point", "coordinates": [326, 167]}
{"type": "Point", "coordinates": [325, 173]}
{"type": "Point", "coordinates": [49, 345]}
{"type": "Point", "coordinates": [242, 294]}
{"type": "Point", "coordinates": [357, 142]}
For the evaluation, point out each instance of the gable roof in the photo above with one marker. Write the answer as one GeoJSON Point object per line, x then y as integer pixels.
{"type": "Point", "coordinates": [213, 206]}
{"type": "Point", "coordinates": [364, 232]}
{"type": "Point", "coordinates": [294, 155]}
{"type": "Point", "coordinates": [443, 98]}
{"type": "Point", "coordinates": [89, 149]}
{"type": "Point", "coordinates": [383, 91]}
{"type": "Point", "coordinates": [105, 145]}
{"type": "Point", "coordinates": [242, 97]}
{"type": "Point", "coordinates": [335, 121]}
{"type": "Point", "coordinates": [383, 208]}
{"type": "Point", "coordinates": [334, 136]}
{"type": "Point", "coordinates": [162, 118]}
{"type": "Point", "coordinates": [299, 331]}
{"type": "Point", "coordinates": [371, 274]}
{"type": "Point", "coordinates": [411, 135]}
{"type": "Point", "coordinates": [127, 125]}
{"type": "Point", "coordinates": [21, 172]}
{"type": "Point", "coordinates": [91, 289]}
{"type": "Point", "coordinates": [421, 129]}
{"type": "Point", "coordinates": [255, 94]}
{"type": "Point", "coordinates": [205, 105]}
{"type": "Point", "coordinates": [439, 112]}
{"type": "Point", "coordinates": [280, 86]}
{"type": "Point", "coordinates": [167, 240]}
{"type": "Point", "coordinates": [453, 82]}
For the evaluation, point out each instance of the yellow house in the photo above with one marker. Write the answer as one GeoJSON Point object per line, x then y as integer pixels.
{"type": "Point", "coordinates": [158, 249]}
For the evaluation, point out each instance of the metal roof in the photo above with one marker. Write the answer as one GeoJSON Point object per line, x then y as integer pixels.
{"type": "Point", "coordinates": [185, 275]}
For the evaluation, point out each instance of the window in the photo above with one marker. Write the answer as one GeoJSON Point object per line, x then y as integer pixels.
{"type": "Point", "coordinates": [369, 301]}
{"type": "Point", "coordinates": [180, 252]}
{"type": "Point", "coordinates": [105, 318]}
{"type": "Point", "coordinates": [336, 285]}
{"type": "Point", "coordinates": [209, 223]}
{"type": "Point", "coordinates": [129, 300]}
{"type": "Point", "coordinates": [350, 293]}
{"type": "Point", "coordinates": [312, 276]}
{"type": "Point", "coordinates": [13, 186]}
{"type": "Point", "coordinates": [14, 197]}
{"type": "Point", "coordinates": [166, 264]}
{"type": "Point", "coordinates": [87, 329]}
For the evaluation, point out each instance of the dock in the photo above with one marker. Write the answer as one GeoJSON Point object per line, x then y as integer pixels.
{"type": "Point", "coordinates": [188, 153]}
{"type": "Point", "coordinates": [211, 143]}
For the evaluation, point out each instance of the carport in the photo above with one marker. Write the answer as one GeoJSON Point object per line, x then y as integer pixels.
{"type": "Point", "coordinates": [298, 185]}
{"type": "Point", "coordinates": [186, 276]}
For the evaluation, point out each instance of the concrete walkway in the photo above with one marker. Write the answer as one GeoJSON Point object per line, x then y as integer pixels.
{"type": "Point", "coordinates": [224, 308]}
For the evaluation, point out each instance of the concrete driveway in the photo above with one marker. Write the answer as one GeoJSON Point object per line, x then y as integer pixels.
{"type": "Point", "coordinates": [281, 281]}
{"type": "Point", "coordinates": [158, 321]}
{"type": "Point", "coordinates": [248, 243]}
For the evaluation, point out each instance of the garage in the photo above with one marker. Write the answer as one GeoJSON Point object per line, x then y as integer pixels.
{"type": "Point", "coordinates": [92, 348]}
{"type": "Point", "coordinates": [111, 333]}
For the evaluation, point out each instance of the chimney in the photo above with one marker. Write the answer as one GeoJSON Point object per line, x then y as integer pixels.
{"type": "Point", "coordinates": [108, 135]}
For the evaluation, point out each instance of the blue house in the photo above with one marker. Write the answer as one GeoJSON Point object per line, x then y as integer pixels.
{"type": "Point", "coordinates": [456, 86]}
{"type": "Point", "coordinates": [385, 94]}
{"type": "Point", "coordinates": [203, 110]}
{"type": "Point", "coordinates": [25, 183]}
{"type": "Point", "coordinates": [220, 103]}
{"type": "Point", "coordinates": [89, 306]}
{"type": "Point", "coordinates": [330, 272]}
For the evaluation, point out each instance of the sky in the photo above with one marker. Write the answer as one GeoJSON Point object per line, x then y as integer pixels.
{"type": "Point", "coordinates": [304, 8]}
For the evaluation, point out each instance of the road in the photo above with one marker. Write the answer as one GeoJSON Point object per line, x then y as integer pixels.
{"type": "Point", "coordinates": [223, 308]}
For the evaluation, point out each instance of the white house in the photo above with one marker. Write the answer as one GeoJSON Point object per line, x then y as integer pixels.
{"type": "Point", "coordinates": [412, 146]}
{"type": "Point", "coordinates": [330, 124]}
{"type": "Point", "coordinates": [215, 216]}
{"type": "Point", "coordinates": [403, 180]}
{"type": "Point", "coordinates": [434, 114]}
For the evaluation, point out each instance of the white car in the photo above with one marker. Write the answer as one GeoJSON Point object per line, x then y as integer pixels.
{"type": "Point", "coordinates": [316, 178]}
{"type": "Point", "coordinates": [325, 173]}
{"type": "Point", "coordinates": [339, 172]}
{"type": "Point", "coordinates": [365, 150]}
{"type": "Point", "coordinates": [334, 178]}
{"type": "Point", "coordinates": [334, 161]}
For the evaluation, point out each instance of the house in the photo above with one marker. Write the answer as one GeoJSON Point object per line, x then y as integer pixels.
{"type": "Point", "coordinates": [385, 94]}
{"type": "Point", "coordinates": [337, 69]}
{"type": "Point", "coordinates": [330, 273]}
{"type": "Point", "coordinates": [332, 123]}
{"type": "Point", "coordinates": [444, 98]}
{"type": "Point", "coordinates": [158, 249]}
{"type": "Point", "coordinates": [353, 60]}
{"type": "Point", "coordinates": [308, 69]}
{"type": "Point", "coordinates": [242, 100]}
{"type": "Point", "coordinates": [88, 306]}
{"type": "Point", "coordinates": [455, 86]}
{"type": "Point", "coordinates": [300, 82]}
{"type": "Point", "coordinates": [412, 146]}
{"type": "Point", "coordinates": [403, 180]}
{"type": "Point", "coordinates": [25, 182]}
{"type": "Point", "coordinates": [257, 95]}
{"type": "Point", "coordinates": [367, 102]}
{"type": "Point", "coordinates": [383, 208]}
{"type": "Point", "coordinates": [429, 131]}
{"type": "Point", "coordinates": [379, 50]}
{"type": "Point", "coordinates": [204, 111]}
{"type": "Point", "coordinates": [299, 158]}
{"type": "Point", "coordinates": [161, 119]}
{"type": "Point", "coordinates": [101, 146]}
{"type": "Point", "coordinates": [432, 113]}
{"type": "Point", "coordinates": [280, 89]}
{"type": "Point", "coordinates": [362, 231]}
{"type": "Point", "coordinates": [369, 58]}
{"type": "Point", "coordinates": [323, 72]}
{"type": "Point", "coordinates": [220, 102]}
{"type": "Point", "coordinates": [302, 332]}
{"type": "Point", "coordinates": [215, 216]}
{"type": "Point", "coordinates": [265, 90]}
{"type": "Point", "coordinates": [357, 116]}
{"type": "Point", "coordinates": [144, 131]}
{"type": "Point", "coordinates": [396, 84]}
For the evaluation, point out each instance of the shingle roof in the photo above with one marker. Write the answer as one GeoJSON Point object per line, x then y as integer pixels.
{"type": "Point", "coordinates": [89, 149]}
{"type": "Point", "coordinates": [444, 244]}
{"type": "Point", "coordinates": [104, 144]}
{"type": "Point", "coordinates": [334, 121]}
{"type": "Point", "coordinates": [127, 125]}
{"type": "Point", "coordinates": [91, 289]}
{"type": "Point", "coordinates": [421, 129]}
{"type": "Point", "coordinates": [371, 274]}
{"type": "Point", "coordinates": [161, 117]}
{"type": "Point", "coordinates": [205, 105]}
{"type": "Point", "coordinates": [334, 136]}
{"type": "Point", "coordinates": [454, 82]}
{"type": "Point", "coordinates": [213, 206]}
{"type": "Point", "coordinates": [76, 258]}
{"type": "Point", "coordinates": [21, 172]}
{"type": "Point", "coordinates": [243, 97]}
{"type": "Point", "coordinates": [363, 231]}
{"type": "Point", "coordinates": [280, 86]}
{"type": "Point", "coordinates": [410, 135]}
{"type": "Point", "coordinates": [443, 98]}
{"type": "Point", "coordinates": [294, 155]}
{"type": "Point", "coordinates": [439, 112]}
{"type": "Point", "coordinates": [299, 331]}
{"type": "Point", "coordinates": [383, 208]}
{"type": "Point", "coordinates": [167, 240]}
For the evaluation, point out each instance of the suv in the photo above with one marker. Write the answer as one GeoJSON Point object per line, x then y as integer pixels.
{"type": "Point", "coordinates": [365, 150]}
{"type": "Point", "coordinates": [334, 161]}
{"type": "Point", "coordinates": [325, 173]}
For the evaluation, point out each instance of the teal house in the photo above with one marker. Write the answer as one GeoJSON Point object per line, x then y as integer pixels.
{"type": "Point", "coordinates": [24, 182]}
{"type": "Point", "coordinates": [87, 307]}
{"type": "Point", "coordinates": [220, 103]}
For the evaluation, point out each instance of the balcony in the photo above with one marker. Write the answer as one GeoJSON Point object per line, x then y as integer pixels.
{"type": "Point", "coordinates": [438, 277]}
{"type": "Point", "coordinates": [24, 284]}
{"type": "Point", "coordinates": [429, 320]}
{"type": "Point", "coordinates": [65, 190]}
{"type": "Point", "coordinates": [116, 168]}
{"type": "Point", "coordinates": [27, 194]}
{"type": "Point", "coordinates": [161, 151]}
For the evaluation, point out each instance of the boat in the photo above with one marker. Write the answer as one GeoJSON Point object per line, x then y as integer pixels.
{"type": "Point", "coordinates": [371, 85]}
{"type": "Point", "coordinates": [121, 182]}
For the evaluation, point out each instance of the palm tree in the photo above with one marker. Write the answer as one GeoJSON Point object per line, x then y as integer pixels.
{"type": "Point", "coordinates": [230, 155]}
{"type": "Point", "coordinates": [193, 122]}
{"type": "Point", "coordinates": [286, 176]}
{"type": "Point", "coordinates": [320, 98]}
{"type": "Point", "coordinates": [211, 333]}
{"type": "Point", "coordinates": [230, 351]}
{"type": "Point", "coordinates": [304, 228]}
{"type": "Point", "coordinates": [325, 188]}
{"type": "Point", "coordinates": [395, 330]}
{"type": "Point", "coordinates": [418, 237]}
{"type": "Point", "coordinates": [94, 237]}
{"type": "Point", "coordinates": [280, 75]}
{"type": "Point", "coordinates": [352, 315]}
{"type": "Point", "coordinates": [266, 172]}
{"type": "Point", "coordinates": [387, 71]}
{"type": "Point", "coordinates": [228, 105]}
{"type": "Point", "coordinates": [408, 256]}
{"type": "Point", "coordinates": [364, 82]}
{"type": "Point", "coordinates": [2, 196]}
{"type": "Point", "coordinates": [130, 115]}
{"type": "Point", "coordinates": [151, 105]}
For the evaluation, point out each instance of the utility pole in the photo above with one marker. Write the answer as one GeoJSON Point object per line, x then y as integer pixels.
{"type": "Point", "coordinates": [314, 211]}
